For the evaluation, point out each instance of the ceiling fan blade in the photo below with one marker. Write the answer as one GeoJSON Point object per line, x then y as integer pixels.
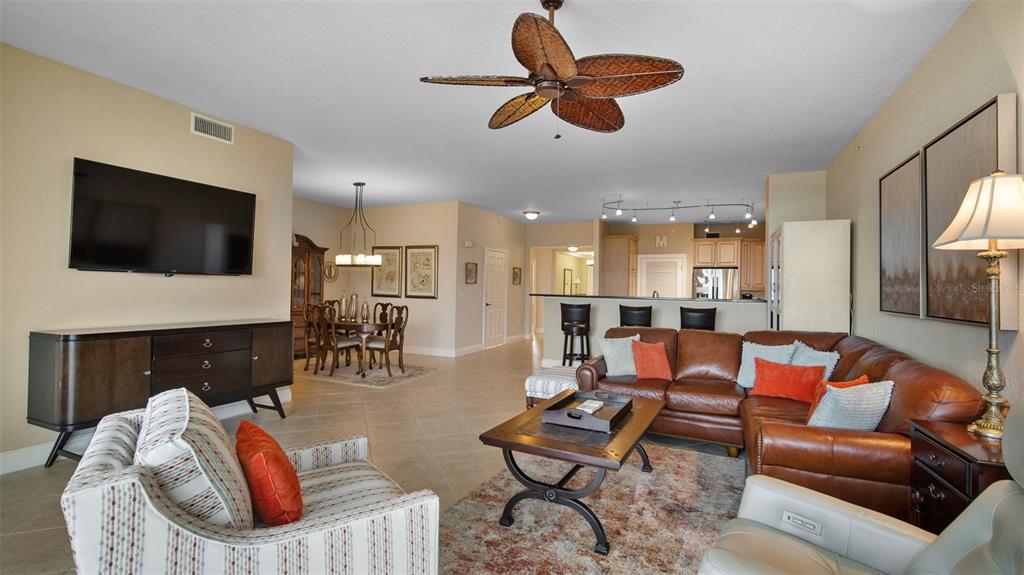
{"type": "Point", "coordinates": [540, 48]}
{"type": "Point", "coordinates": [478, 80]}
{"type": "Point", "coordinates": [618, 75]}
{"type": "Point", "coordinates": [597, 114]}
{"type": "Point", "coordinates": [516, 109]}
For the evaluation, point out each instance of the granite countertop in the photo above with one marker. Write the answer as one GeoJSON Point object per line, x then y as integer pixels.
{"type": "Point", "coordinates": [701, 299]}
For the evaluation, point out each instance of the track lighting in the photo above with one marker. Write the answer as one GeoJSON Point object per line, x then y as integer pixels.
{"type": "Point", "coordinates": [672, 218]}
{"type": "Point", "coordinates": [707, 229]}
{"type": "Point", "coordinates": [737, 229]}
{"type": "Point", "coordinates": [750, 225]}
{"type": "Point", "coordinates": [711, 216]}
{"type": "Point", "coordinates": [633, 219]}
{"type": "Point", "coordinates": [753, 223]}
{"type": "Point", "coordinates": [604, 216]}
{"type": "Point", "coordinates": [618, 211]}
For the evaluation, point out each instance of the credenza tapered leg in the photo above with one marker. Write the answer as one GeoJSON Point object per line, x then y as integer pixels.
{"type": "Point", "coordinates": [58, 447]}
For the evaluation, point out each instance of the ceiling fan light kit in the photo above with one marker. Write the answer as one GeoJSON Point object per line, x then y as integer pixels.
{"type": "Point", "coordinates": [582, 92]}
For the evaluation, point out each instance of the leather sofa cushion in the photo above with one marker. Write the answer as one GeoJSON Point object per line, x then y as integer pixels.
{"type": "Point", "coordinates": [633, 387]}
{"type": "Point", "coordinates": [926, 392]}
{"type": "Point", "coordinates": [758, 409]}
{"type": "Point", "coordinates": [850, 350]}
{"type": "Point", "coordinates": [708, 355]}
{"type": "Point", "coordinates": [708, 396]}
{"type": "Point", "coordinates": [875, 363]}
{"type": "Point", "coordinates": [819, 340]}
{"type": "Point", "coordinates": [650, 335]}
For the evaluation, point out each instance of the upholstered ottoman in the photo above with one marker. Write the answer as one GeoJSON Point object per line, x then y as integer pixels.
{"type": "Point", "coordinates": [548, 382]}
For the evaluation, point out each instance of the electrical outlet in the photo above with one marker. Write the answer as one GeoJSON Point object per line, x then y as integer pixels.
{"type": "Point", "coordinates": [801, 522]}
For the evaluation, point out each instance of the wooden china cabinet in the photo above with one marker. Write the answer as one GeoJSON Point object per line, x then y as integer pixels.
{"type": "Point", "coordinates": [307, 285]}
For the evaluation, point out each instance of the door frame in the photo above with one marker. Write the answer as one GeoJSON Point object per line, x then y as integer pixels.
{"type": "Point", "coordinates": [641, 283]}
{"type": "Point", "coordinates": [504, 297]}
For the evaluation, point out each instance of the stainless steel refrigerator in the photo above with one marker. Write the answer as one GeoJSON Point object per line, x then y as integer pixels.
{"type": "Point", "coordinates": [716, 283]}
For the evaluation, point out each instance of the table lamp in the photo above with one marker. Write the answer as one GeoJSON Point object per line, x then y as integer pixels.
{"type": "Point", "coordinates": [990, 220]}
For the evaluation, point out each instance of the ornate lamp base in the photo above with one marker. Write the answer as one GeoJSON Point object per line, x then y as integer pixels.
{"type": "Point", "coordinates": [990, 424]}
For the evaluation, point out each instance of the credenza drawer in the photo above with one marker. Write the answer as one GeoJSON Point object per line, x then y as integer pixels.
{"type": "Point", "coordinates": [180, 344]}
{"type": "Point", "coordinates": [213, 385]}
{"type": "Point", "coordinates": [199, 366]}
{"type": "Point", "coordinates": [935, 493]}
{"type": "Point", "coordinates": [941, 462]}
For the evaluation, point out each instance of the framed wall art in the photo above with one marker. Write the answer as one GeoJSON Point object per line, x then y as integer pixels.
{"type": "Point", "coordinates": [470, 273]}
{"type": "Point", "coordinates": [517, 276]}
{"type": "Point", "coordinates": [955, 280]}
{"type": "Point", "coordinates": [386, 279]}
{"type": "Point", "coordinates": [421, 272]}
{"type": "Point", "coordinates": [899, 238]}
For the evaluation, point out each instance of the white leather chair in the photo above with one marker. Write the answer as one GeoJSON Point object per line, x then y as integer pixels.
{"type": "Point", "coordinates": [842, 538]}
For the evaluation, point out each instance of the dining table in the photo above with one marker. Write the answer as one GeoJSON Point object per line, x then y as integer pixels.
{"type": "Point", "coordinates": [363, 330]}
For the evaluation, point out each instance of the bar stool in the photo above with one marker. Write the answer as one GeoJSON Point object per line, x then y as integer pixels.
{"type": "Point", "coordinates": [697, 318]}
{"type": "Point", "coordinates": [575, 323]}
{"type": "Point", "coordinates": [635, 316]}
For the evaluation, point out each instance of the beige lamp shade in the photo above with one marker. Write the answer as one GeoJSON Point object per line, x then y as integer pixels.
{"type": "Point", "coordinates": [993, 209]}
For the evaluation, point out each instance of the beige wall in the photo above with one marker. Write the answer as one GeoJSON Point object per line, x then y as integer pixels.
{"type": "Point", "coordinates": [322, 223]}
{"type": "Point", "coordinates": [679, 238]}
{"type": "Point", "coordinates": [982, 55]}
{"type": "Point", "coordinates": [431, 327]}
{"type": "Point", "coordinates": [794, 197]}
{"type": "Point", "coordinates": [559, 235]}
{"type": "Point", "coordinates": [488, 230]}
{"type": "Point", "coordinates": [52, 113]}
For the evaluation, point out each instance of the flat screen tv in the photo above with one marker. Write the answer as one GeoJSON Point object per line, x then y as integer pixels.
{"type": "Point", "coordinates": [127, 220]}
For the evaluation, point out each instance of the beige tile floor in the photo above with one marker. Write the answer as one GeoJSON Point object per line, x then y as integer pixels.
{"type": "Point", "coordinates": [422, 433]}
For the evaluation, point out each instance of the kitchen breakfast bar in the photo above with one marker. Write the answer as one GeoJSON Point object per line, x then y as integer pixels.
{"type": "Point", "coordinates": [733, 315]}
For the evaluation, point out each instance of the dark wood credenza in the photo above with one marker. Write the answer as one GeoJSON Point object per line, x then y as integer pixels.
{"type": "Point", "coordinates": [78, 376]}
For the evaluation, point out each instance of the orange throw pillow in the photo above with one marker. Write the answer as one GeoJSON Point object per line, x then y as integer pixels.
{"type": "Point", "coordinates": [789, 381]}
{"type": "Point", "coordinates": [272, 480]}
{"type": "Point", "coordinates": [819, 391]}
{"type": "Point", "coordinates": [651, 360]}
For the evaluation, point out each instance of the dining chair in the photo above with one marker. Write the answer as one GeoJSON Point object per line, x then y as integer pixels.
{"type": "Point", "coordinates": [380, 315]}
{"type": "Point", "coordinates": [309, 337]}
{"type": "Point", "coordinates": [321, 339]}
{"type": "Point", "coordinates": [393, 338]}
{"type": "Point", "coordinates": [338, 342]}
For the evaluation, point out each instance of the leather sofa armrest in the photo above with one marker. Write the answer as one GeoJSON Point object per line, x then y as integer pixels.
{"type": "Point", "coordinates": [856, 532]}
{"type": "Point", "coordinates": [869, 455]}
{"type": "Point", "coordinates": [592, 370]}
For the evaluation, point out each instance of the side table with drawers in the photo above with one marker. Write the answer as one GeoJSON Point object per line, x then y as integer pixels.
{"type": "Point", "coordinates": [950, 468]}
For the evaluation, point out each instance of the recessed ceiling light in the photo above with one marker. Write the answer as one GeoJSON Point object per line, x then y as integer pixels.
{"type": "Point", "coordinates": [531, 214]}
{"type": "Point", "coordinates": [574, 249]}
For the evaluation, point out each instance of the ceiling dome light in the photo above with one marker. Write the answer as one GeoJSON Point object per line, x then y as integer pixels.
{"type": "Point", "coordinates": [573, 249]}
{"type": "Point", "coordinates": [531, 214]}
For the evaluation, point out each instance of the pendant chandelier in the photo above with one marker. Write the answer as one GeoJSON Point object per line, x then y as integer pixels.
{"type": "Point", "coordinates": [357, 256]}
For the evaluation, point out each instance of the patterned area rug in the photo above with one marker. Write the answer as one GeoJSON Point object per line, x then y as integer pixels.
{"type": "Point", "coordinates": [658, 522]}
{"type": "Point", "coordinates": [375, 378]}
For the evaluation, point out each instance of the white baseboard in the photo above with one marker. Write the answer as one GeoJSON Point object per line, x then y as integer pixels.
{"type": "Point", "coordinates": [515, 338]}
{"type": "Point", "coordinates": [468, 349]}
{"type": "Point", "coordinates": [434, 351]}
{"type": "Point", "coordinates": [35, 455]}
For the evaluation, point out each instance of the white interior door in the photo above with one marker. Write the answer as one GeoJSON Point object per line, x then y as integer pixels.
{"type": "Point", "coordinates": [663, 274]}
{"type": "Point", "coordinates": [494, 297]}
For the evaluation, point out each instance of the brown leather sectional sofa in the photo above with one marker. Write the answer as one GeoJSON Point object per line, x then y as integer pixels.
{"type": "Point", "coordinates": [704, 402]}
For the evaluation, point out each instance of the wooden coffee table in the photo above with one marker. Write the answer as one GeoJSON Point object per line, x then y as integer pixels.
{"type": "Point", "coordinates": [526, 433]}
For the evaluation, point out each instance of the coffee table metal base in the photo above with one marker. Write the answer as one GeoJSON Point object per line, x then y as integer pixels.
{"type": "Point", "coordinates": [557, 493]}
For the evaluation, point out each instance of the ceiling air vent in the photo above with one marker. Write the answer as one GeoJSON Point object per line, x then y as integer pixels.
{"type": "Point", "coordinates": [211, 128]}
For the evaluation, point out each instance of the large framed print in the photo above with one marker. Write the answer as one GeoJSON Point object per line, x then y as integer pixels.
{"type": "Point", "coordinates": [386, 279]}
{"type": "Point", "coordinates": [421, 272]}
{"type": "Point", "coordinates": [899, 238]}
{"type": "Point", "coordinates": [955, 279]}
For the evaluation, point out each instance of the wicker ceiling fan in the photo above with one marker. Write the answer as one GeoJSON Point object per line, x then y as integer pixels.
{"type": "Point", "coordinates": [581, 91]}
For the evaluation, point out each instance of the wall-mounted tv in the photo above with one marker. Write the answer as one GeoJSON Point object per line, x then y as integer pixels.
{"type": "Point", "coordinates": [127, 220]}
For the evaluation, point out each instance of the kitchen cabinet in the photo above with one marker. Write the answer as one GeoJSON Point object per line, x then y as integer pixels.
{"type": "Point", "coordinates": [618, 266]}
{"type": "Point", "coordinates": [752, 265]}
{"type": "Point", "coordinates": [720, 253]}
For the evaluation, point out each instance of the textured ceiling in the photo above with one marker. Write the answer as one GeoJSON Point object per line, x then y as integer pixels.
{"type": "Point", "coordinates": [769, 87]}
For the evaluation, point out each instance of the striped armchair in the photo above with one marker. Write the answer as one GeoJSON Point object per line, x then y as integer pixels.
{"type": "Point", "coordinates": [355, 519]}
